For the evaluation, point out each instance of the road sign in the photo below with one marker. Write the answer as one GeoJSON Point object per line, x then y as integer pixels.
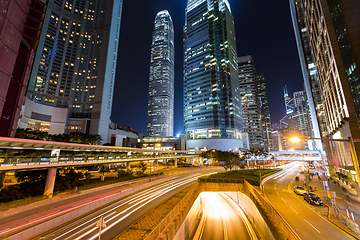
{"type": "Point", "coordinates": [101, 223]}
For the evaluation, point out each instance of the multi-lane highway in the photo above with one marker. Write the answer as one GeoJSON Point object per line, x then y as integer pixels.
{"type": "Point", "coordinates": [224, 219]}
{"type": "Point", "coordinates": [120, 214]}
{"type": "Point", "coordinates": [301, 216]}
{"type": "Point", "coordinates": [15, 223]}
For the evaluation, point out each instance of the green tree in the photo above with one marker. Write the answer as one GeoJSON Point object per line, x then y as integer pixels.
{"type": "Point", "coordinates": [143, 166]}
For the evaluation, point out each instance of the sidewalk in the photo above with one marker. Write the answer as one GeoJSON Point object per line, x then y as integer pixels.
{"type": "Point", "coordinates": [346, 199]}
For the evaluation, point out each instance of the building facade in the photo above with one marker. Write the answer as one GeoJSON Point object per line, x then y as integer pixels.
{"type": "Point", "coordinates": [212, 104]}
{"type": "Point", "coordinates": [250, 101]}
{"type": "Point", "coordinates": [20, 26]}
{"type": "Point", "coordinates": [333, 30]}
{"type": "Point", "coordinates": [264, 112]}
{"type": "Point", "coordinates": [160, 121]}
{"type": "Point", "coordinates": [311, 84]}
{"type": "Point", "coordinates": [74, 67]}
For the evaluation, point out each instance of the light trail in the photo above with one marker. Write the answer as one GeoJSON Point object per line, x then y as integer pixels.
{"type": "Point", "coordinates": [80, 229]}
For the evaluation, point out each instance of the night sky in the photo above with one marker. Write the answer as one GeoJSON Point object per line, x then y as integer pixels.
{"type": "Point", "coordinates": [263, 30]}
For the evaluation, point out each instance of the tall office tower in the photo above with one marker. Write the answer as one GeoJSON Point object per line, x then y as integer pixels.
{"type": "Point", "coordinates": [264, 112]}
{"type": "Point", "coordinates": [332, 29]}
{"type": "Point", "coordinates": [20, 25]}
{"type": "Point", "coordinates": [250, 101]}
{"type": "Point", "coordinates": [72, 79]}
{"type": "Point", "coordinates": [212, 104]}
{"type": "Point", "coordinates": [299, 120]}
{"type": "Point", "coordinates": [160, 122]}
{"type": "Point", "coordinates": [316, 106]}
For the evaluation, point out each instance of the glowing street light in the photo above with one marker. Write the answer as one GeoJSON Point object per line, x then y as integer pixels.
{"type": "Point", "coordinates": [294, 139]}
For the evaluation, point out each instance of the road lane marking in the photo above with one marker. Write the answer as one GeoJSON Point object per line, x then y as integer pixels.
{"type": "Point", "coordinates": [293, 209]}
{"type": "Point", "coordinates": [155, 189]}
{"type": "Point", "coordinates": [312, 226]}
{"type": "Point", "coordinates": [277, 193]}
{"type": "Point", "coordinates": [283, 200]}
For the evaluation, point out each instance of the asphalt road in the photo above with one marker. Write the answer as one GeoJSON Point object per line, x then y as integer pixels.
{"type": "Point", "coordinates": [17, 222]}
{"type": "Point", "coordinates": [300, 215]}
{"type": "Point", "coordinates": [120, 214]}
{"type": "Point", "coordinates": [223, 220]}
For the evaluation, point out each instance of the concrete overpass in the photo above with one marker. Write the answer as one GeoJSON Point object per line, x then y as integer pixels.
{"type": "Point", "coordinates": [297, 155]}
{"type": "Point", "coordinates": [54, 162]}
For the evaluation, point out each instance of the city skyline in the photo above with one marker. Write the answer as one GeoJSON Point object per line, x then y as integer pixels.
{"type": "Point", "coordinates": [273, 58]}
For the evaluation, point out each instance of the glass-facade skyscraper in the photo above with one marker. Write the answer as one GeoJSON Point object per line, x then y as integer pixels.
{"type": "Point", "coordinates": [212, 105]}
{"type": "Point", "coordinates": [250, 101]}
{"type": "Point", "coordinates": [327, 37]}
{"type": "Point", "coordinates": [160, 121]}
{"type": "Point", "coordinates": [72, 80]}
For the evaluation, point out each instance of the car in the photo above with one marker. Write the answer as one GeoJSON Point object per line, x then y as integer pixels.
{"type": "Point", "coordinates": [312, 198]}
{"type": "Point", "coordinates": [299, 190]}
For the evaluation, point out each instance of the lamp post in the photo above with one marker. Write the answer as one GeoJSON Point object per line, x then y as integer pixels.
{"type": "Point", "coordinates": [350, 140]}
{"type": "Point", "coordinates": [212, 160]}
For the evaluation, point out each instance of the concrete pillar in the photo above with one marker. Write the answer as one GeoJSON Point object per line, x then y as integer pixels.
{"type": "Point", "coordinates": [175, 162]}
{"type": "Point", "coordinates": [128, 166]}
{"type": "Point", "coordinates": [50, 182]}
{"type": "Point", "coordinates": [156, 164]}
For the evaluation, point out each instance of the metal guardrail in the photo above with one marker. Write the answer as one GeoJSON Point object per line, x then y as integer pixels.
{"type": "Point", "coordinates": [221, 180]}
{"type": "Point", "coordinates": [168, 219]}
{"type": "Point", "coordinates": [276, 218]}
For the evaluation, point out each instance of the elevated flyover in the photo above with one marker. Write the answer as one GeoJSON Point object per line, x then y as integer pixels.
{"type": "Point", "coordinates": [297, 155]}
{"type": "Point", "coordinates": [54, 162]}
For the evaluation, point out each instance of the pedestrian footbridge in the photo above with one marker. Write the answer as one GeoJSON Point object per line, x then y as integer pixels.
{"type": "Point", "coordinates": [297, 155]}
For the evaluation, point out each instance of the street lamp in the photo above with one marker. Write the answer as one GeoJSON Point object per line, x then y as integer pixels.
{"type": "Point", "coordinates": [350, 140]}
{"type": "Point", "coordinates": [306, 170]}
{"type": "Point", "coordinates": [212, 160]}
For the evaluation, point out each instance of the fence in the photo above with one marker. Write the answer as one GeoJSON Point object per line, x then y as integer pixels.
{"type": "Point", "coordinates": [352, 225]}
{"type": "Point", "coordinates": [221, 180]}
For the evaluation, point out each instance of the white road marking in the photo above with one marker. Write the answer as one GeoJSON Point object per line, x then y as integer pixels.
{"type": "Point", "coordinates": [293, 209]}
{"type": "Point", "coordinates": [283, 200]}
{"type": "Point", "coordinates": [312, 226]}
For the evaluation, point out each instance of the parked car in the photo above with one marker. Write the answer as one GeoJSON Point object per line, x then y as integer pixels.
{"type": "Point", "coordinates": [312, 198]}
{"type": "Point", "coordinates": [299, 190]}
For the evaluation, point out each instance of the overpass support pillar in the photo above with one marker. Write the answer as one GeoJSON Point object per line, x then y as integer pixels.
{"type": "Point", "coordinates": [156, 165]}
{"type": "Point", "coordinates": [128, 166]}
{"type": "Point", "coordinates": [50, 182]}
{"type": "Point", "coordinates": [175, 162]}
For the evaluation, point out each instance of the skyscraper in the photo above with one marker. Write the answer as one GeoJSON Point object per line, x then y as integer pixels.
{"type": "Point", "coordinates": [20, 25]}
{"type": "Point", "coordinates": [72, 79]}
{"type": "Point", "coordinates": [212, 104]}
{"type": "Point", "coordinates": [160, 121]}
{"type": "Point", "coordinates": [332, 31]}
{"type": "Point", "coordinates": [264, 112]}
{"type": "Point", "coordinates": [250, 101]}
{"type": "Point", "coordinates": [311, 84]}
